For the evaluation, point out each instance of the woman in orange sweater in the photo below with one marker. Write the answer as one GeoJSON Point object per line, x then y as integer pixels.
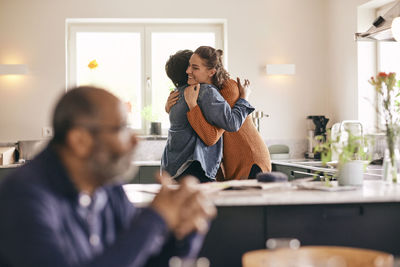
{"type": "Point", "coordinates": [244, 152]}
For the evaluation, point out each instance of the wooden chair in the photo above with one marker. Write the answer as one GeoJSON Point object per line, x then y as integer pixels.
{"type": "Point", "coordinates": [317, 256]}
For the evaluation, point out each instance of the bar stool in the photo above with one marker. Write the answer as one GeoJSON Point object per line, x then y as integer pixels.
{"type": "Point", "coordinates": [317, 256]}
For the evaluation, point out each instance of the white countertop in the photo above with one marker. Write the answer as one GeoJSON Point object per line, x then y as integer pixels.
{"type": "Point", "coordinates": [371, 172]}
{"type": "Point", "coordinates": [136, 162]}
{"type": "Point", "coordinates": [147, 162]}
{"type": "Point", "coordinates": [15, 165]}
{"type": "Point", "coordinates": [310, 164]}
{"type": "Point", "coordinates": [279, 194]}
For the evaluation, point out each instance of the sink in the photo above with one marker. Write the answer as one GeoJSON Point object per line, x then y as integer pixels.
{"type": "Point", "coordinates": [312, 163]}
{"type": "Point", "coordinates": [374, 169]}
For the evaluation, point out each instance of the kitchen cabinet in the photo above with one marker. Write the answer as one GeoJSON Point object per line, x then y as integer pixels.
{"type": "Point", "coordinates": [5, 170]}
{"type": "Point", "coordinates": [237, 230]}
{"type": "Point", "coordinates": [292, 172]}
{"type": "Point", "coordinates": [146, 175]}
{"type": "Point", "coordinates": [296, 169]}
{"type": "Point", "coordinates": [233, 232]}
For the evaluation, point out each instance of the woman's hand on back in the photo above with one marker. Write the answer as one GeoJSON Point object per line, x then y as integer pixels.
{"type": "Point", "coordinates": [172, 99]}
{"type": "Point", "coordinates": [244, 90]}
{"type": "Point", "coordinates": [191, 94]}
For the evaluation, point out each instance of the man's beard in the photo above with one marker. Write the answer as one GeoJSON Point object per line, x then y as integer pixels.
{"type": "Point", "coordinates": [112, 169]}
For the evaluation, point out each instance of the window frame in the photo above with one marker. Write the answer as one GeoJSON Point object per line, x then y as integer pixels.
{"type": "Point", "coordinates": [145, 27]}
{"type": "Point", "coordinates": [380, 121]}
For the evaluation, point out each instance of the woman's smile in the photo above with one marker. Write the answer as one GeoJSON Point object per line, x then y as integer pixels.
{"type": "Point", "coordinates": [191, 80]}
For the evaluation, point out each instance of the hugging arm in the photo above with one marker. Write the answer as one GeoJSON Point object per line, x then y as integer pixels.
{"type": "Point", "coordinates": [172, 99]}
{"type": "Point", "coordinates": [209, 133]}
{"type": "Point", "coordinates": [218, 112]}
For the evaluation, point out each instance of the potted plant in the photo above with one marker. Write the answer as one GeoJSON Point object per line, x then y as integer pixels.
{"type": "Point", "coordinates": [149, 115]}
{"type": "Point", "coordinates": [353, 157]}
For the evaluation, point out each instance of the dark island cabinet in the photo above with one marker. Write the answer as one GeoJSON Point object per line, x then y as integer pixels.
{"type": "Point", "coordinates": [237, 230]}
{"type": "Point", "coordinates": [146, 175]}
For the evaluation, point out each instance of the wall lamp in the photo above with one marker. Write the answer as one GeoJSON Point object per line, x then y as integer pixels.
{"type": "Point", "coordinates": [6, 69]}
{"type": "Point", "coordinates": [281, 69]}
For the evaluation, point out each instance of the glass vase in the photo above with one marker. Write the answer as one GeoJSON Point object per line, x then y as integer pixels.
{"type": "Point", "coordinates": [391, 166]}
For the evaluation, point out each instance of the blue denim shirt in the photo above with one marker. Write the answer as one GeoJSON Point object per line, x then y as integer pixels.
{"type": "Point", "coordinates": [185, 146]}
{"type": "Point", "coordinates": [46, 222]}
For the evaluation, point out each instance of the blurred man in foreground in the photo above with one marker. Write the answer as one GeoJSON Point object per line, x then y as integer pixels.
{"type": "Point", "coordinates": [67, 206]}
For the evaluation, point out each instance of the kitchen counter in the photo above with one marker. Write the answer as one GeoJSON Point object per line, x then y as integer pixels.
{"type": "Point", "coordinates": [147, 162]}
{"type": "Point", "coordinates": [291, 166]}
{"type": "Point", "coordinates": [367, 217]}
{"type": "Point", "coordinates": [135, 162]}
{"type": "Point", "coordinates": [145, 174]}
{"type": "Point", "coordinates": [293, 193]}
{"type": "Point", "coordinates": [15, 165]}
{"type": "Point", "coordinates": [310, 164]}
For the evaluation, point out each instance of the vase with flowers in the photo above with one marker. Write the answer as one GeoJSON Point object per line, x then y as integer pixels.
{"type": "Point", "coordinates": [388, 89]}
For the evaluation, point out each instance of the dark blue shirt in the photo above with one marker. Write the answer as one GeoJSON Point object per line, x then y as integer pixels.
{"type": "Point", "coordinates": [185, 146]}
{"type": "Point", "coordinates": [46, 222]}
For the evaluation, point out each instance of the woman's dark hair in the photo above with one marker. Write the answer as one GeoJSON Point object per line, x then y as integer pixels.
{"type": "Point", "coordinates": [176, 67]}
{"type": "Point", "coordinates": [213, 60]}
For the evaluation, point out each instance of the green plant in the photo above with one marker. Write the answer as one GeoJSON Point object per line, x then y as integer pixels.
{"type": "Point", "coordinates": [325, 146]}
{"type": "Point", "coordinates": [354, 148]}
{"type": "Point", "coordinates": [148, 114]}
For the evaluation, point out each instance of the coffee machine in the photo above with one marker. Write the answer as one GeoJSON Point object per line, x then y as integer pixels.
{"type": "Point", "coordinates": [316, 126]}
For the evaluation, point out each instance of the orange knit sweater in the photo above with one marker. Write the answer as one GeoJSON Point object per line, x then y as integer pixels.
{"type": "Point", "coordinates": [241, 149]}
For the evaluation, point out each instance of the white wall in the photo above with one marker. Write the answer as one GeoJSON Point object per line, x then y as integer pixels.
{"type": "Point", "coordinates": [342, 59]}
{"type": "Point", "coordinates": [259, 32]}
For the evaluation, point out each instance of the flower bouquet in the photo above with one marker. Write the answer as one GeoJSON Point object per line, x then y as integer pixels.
{"type": "Point", "coordinates": [387, 88]}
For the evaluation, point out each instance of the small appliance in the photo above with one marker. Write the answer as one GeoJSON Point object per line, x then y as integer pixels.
{"type": "Point", "coordinates": [316, 126]}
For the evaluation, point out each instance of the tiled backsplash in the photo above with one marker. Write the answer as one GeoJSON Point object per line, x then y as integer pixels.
{"type": "Point", "coordinates": [148, 150]}
{"type": "Point", "coordinates": [153, 149]}
{"type": "Point", "coordinates": [297, 147]}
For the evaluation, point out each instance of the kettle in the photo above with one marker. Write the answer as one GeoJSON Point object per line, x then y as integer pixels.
{"type": "Point", "coordinates": [340, 132]}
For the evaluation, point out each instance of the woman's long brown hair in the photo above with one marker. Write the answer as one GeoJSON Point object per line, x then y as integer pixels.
{"type": "Point", "coordinates": [213, 60]}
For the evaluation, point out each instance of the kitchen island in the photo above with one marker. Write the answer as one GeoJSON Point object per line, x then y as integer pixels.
{"type": "Point", "coordinates": [367, 217]}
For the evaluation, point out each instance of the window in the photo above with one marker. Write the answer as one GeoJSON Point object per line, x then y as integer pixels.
{"type": "Point", "coordinates": [387, 57]}
{"type": "Point", "coordinates": [128, 58]}
{"type": "Point", "coordinates": [374, 57]}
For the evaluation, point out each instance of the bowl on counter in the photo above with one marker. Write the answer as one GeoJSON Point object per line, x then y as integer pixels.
{"type": "Point", "coordinates": [279, 151]}
{"type": "Point", "coordinates": [279, 156]}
